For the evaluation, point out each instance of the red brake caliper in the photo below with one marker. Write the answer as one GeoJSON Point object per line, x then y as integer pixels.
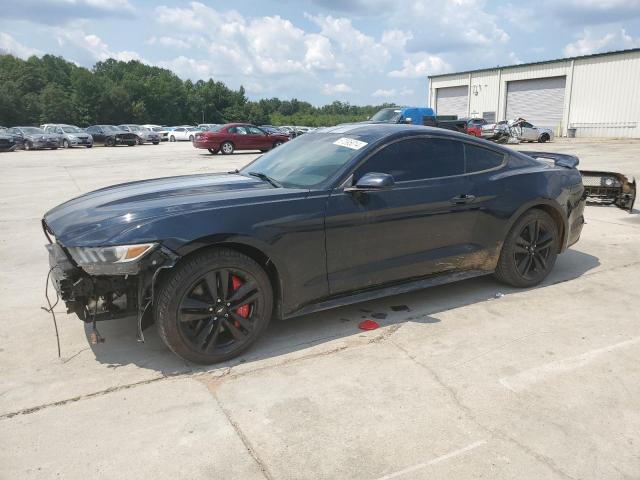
{"type": "Point", "coordinates": [242, 310]}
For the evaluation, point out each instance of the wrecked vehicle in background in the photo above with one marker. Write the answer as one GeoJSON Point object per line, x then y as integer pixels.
{"type": "Point", "coordinates": [518, 130]}
{"type": "Point", "coordinates": [211, 258]}
{"type": "Point", "coordinates": [609, 188]}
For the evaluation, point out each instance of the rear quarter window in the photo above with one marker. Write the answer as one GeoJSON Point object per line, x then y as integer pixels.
{"type": "Point", "coordinates": [478, 159]}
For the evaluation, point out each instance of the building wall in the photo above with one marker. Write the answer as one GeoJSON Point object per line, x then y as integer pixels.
{"type": "Point", "coordinates": [602, 98]}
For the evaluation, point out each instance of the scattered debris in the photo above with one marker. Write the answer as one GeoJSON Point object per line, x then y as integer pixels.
{"type": "Point", "coordinates": [400, 308]}
{"type": "Point", "coordinates": [368, 325]}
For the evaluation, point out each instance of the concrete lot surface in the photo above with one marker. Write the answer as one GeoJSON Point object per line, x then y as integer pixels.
{"type": "Point", "coordinates": [469, 380]}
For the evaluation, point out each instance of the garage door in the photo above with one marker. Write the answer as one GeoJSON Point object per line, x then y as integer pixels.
{"type": "Point", "coordinates": [452, 101]}
{"type": "Point", "coordinates": [540, 101]}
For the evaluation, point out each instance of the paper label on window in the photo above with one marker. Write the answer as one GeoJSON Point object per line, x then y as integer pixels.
{"type": "Point", "coordinates": [351, 143]}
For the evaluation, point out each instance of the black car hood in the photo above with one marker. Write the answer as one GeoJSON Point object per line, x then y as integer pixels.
{"type": "Point", "coordinates": [103, 216]}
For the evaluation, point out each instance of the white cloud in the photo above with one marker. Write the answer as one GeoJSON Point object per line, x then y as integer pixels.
{"type": "Point", "coordinates": [396, 39]}
{"type": "Point", "coordinates": [8, 44]}
{"type": "Point", "coordinates": [170, 42]}
{"type": "Point", "coordinates": [92, 45]}
{"type": "Point", "coordinates": [382, 93]}
{"type": "Point", "coordinates": [332, 89]}
{"type": "Point", "coordinates": [589, 42]}
{"type": "Point", "coordinates": [421, 65]}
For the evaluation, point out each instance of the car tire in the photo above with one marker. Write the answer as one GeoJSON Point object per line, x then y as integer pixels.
{"type": "Point", "coordinates": [529, 251]}
{"type": "Point", "coordinates": [27, 145]}
{"type": "Point", "coordinates": [202, 326]}
{"type": "Point", "coordinates": [90, 146]}
{"type": "Point", "coordinates": [54, 148]}
{"type": "Point", "coordinates": [139, 141]}
{"type": "Point", "coordinates": [227, 148]}
{"type": "Point", "coordinates": [156, 143]}
{"type": "Point", "coordinates": [172, 138]}
{"type": "Point", "coordinates": [277, 144]}
{"type": "Point", "coordinates": [191, 138]}
{"type": "Point", "coordinates": [110, 142]}
{"type": "Point", "coordinates": [66, 144]}
{"type": "Point", "coordinates": [544, 138]}
{"type": "Point", "coordinates": [213, 151]}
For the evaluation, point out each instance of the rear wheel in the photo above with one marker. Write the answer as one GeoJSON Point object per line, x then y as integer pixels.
{"type": "Point", "coordinates": [172, 138]}
{"type": "Point", "coordinates": [213, 306]}
{"type": "Point", "coordinates": [110, 142]}
{"type": "Point", "coordinates": [28, 145]}
{"type": "Point", "coordinates": [66, 144]}
{"type": "Point", "coordinates": [529, 251]}
{"type": "Point", "coordinates": [227, 148]}
{"type": "Point", "coordinates": [544, 138]}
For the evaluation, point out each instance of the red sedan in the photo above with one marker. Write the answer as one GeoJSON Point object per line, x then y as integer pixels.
{"type": "Point", "coordinates": [474, 126]}
{"type": "Point", "coordinates": [237, 136]}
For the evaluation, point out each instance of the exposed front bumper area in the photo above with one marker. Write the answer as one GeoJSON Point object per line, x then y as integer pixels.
{"type": "Point", "coordinates": [609, 188]}
{"type": "Point", "coordinates": [105, 297]}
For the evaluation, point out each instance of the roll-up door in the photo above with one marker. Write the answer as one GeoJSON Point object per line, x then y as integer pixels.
{"type": "Point", "coordinates": [452, 101]}
{"type": "Point", "coordinates": [540, 101]}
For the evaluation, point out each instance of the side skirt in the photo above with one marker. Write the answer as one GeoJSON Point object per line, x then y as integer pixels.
{"type": "Point", "coordinates": [386, 291]}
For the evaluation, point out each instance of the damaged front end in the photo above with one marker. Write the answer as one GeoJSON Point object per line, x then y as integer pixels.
{"type": "Point", "coordinates": [609, 188]}
{"type": "Point", "coordinates": [107, 283]}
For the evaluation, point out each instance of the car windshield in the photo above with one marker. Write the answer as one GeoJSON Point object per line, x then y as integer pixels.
{"type": "Point", "coordinates": [32, 130]}
{"type": "Point", "coordinates": [110, 128]}
{"type": "Point", "coordinates": [387, 115]}
{"type": "Point", "coordinates": [309, 160]}
{"type": "Point", "coordinates": [71, 129]}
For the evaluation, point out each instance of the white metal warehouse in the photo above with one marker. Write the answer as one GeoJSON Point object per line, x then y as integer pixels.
{"type": "Point", "coordinates": [597, 95]}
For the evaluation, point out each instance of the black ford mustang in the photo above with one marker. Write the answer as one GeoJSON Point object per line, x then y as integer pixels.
{"type": "Point", "coordinates": [340, 215]}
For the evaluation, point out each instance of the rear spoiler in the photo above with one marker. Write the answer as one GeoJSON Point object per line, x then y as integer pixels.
{"type": "Point", "coordinates": [609, 188]}
{"type": "Point", "coordinates": [560, 159]}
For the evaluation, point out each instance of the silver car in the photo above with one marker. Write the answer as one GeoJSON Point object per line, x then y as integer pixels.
{"type": "Point", "coordinates": [519, 129]}
{"type": "Point", "coordinates": [145, 134]}
{"type": "Point", "coordinates": [70, 135]}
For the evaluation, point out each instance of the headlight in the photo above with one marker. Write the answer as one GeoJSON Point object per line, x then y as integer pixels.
{"type": "Point", "coordinates": [118, 260]}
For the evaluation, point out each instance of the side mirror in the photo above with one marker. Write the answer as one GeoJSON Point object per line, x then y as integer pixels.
{"type": "Point", "coordinates": [372, 181]}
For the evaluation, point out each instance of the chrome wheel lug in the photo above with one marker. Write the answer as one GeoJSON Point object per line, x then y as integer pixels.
{"type": "Point", "coordinates": [226, 315]}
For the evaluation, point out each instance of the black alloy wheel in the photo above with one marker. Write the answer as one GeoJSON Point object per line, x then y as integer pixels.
{"type": "Point", "coordinates": [214, 306]}
{"type": "Point", "coordinates": [529, 251]}
{"type": "Point", "coordinates": [216, 313]}
{"type": "Point", "coordinates": [532, 250]}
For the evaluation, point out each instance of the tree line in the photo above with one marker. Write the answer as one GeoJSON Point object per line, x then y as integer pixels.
{"type": "Point", "coordinates": [49, 89]}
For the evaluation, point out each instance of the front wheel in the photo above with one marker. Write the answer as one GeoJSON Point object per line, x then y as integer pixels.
{"type": "Point", "coordinates": [277, 144]}
{"type": "Point", "coordinates": [213, 306]}
{"type": "Point", "coordinates": [227, 148]}
{"type": "Point", "coordinates": [28, 146]}
{"type": "Point", "coordinates": [90, 146]}
{"type": "Point", "coordinates": [172, 138]}
{"type": "Point", "coordinates": [529, 251]}
{"type": "Point", "coordinates": [544, 138]}
{"type": "Point", "coordinates": [66, 144]}
{"type": "Point", "coordinates": [156, 143]}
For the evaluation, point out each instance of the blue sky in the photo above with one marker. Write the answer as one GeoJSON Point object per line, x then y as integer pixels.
{"type": "Point", "coordinates": [360, 51]}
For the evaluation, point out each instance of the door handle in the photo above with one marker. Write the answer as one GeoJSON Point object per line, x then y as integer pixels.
{"type": "Point", "coordinates": [462, 199]}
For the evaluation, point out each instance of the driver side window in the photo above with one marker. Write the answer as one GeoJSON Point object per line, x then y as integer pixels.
{"type": "Point", "coordinates": [416, 159]}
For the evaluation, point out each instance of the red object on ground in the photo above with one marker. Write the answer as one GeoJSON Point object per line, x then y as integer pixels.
{"type": "Point", "coordinates": [368, 325]}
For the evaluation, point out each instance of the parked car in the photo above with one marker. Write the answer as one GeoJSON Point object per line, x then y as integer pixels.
{"type": "Point", "coordinates": [274, 130]}
{"type": "Point", "coordinates": [110, 135]}
{"type": "Point", "coordinates": [183, 133]}
{"type": "Point", "coordinates": [160, 130]}
{"type": "Point", "coordinates": [519, 129]}
{"type": "Point", "coordinates": [145, 135]}
{"type": "Point", "coordinates": [473, 126]}
{"type": "Point", "coordinates": [34, 138]}
{"type": "Point", "coordinates": [7, 143]}
{"type": "Point", "coordinates": [238, 136]}
{"type": "Point", "coordinates": [71, 135]}
{"type": "Point", "coordinates": [338, 216]}
{"type": "Point", "coordinates": [207, 126]}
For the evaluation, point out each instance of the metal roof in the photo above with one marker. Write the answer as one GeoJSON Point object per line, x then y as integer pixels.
{"type": "Point", "coordinates": [504, 67]}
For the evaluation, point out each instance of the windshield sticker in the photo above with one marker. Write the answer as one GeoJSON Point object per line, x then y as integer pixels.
{"type": "Point", "coordinates": [351, 143]}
